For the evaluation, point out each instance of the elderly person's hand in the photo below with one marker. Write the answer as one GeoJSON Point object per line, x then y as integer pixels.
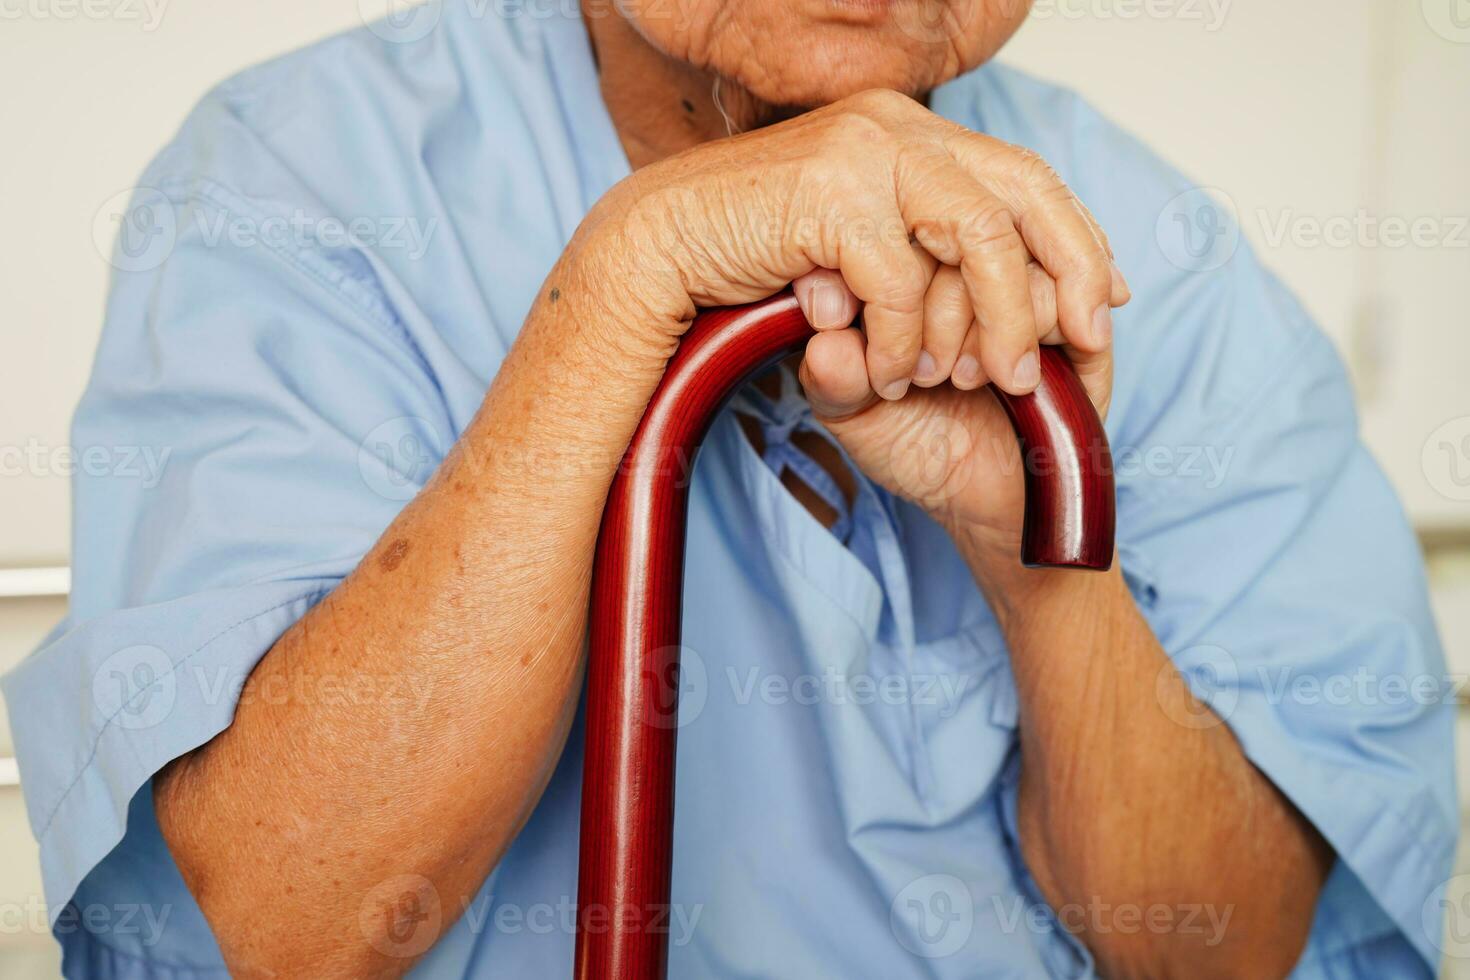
{"type": "Point", "coordinates": [950, 452]}
{"type": "Point", "coordinates": [854, 187]}
{"type": "Point", "coordinates": [962, 251]}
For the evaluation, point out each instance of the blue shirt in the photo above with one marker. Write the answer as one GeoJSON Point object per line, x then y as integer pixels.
{"type": "Point", "coordinates": [315, 283]}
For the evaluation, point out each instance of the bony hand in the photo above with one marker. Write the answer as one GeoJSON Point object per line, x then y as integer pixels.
{"type": "Point", "coordinates": [946, 447]}
{"type": "Point", "coordinates": [915, 213]}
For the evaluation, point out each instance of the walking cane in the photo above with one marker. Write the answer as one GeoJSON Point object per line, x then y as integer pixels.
{"type": "Point", "coordinates": [628, 781]}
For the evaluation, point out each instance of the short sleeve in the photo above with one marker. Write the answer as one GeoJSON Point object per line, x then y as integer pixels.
{"type": "Point", "coordinates": [255, 419]}
{"type": "Point", "coordinates": [1286, 584]}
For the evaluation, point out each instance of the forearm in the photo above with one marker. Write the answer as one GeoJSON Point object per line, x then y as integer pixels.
{"type": "Point", "coordinates": [469, 611]}
{"type": "Point", "coordinates": [1134, 798]}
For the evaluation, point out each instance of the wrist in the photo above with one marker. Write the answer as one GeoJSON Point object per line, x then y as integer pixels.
{"type": "Point", "coordinates": [1020, 596]}
{"type": "Point", "coordinates": [626, 245]}
{"type": "Point", "coordinates": [618, 294]}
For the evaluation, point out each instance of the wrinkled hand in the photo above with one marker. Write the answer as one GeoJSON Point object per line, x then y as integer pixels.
{"type": "Point", "coordinates": [946, 447]}
{"type": "Point", "coordinates": [914, 212]}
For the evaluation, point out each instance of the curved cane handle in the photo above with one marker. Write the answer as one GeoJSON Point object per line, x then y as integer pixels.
{"type": "Point", "coordinates": [632, 680]}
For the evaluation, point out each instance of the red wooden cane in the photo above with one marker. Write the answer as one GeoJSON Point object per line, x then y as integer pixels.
{"type": "Point", "coordinates": [632, 684]}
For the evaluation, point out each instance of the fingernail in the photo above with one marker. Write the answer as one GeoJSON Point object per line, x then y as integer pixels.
{"type": "Point", "coordinates": [895, 390]}
{"type": "Point", "coordinates": [827, 306]}
{"type": "Point", "coordinates": [1102, 326]}
{"type": "Point", "coordinates": [1028, 371]}
{"type": "Point", "coordinates": [928, 367]}
{"type": "Point", "coordinates": [966, 370]}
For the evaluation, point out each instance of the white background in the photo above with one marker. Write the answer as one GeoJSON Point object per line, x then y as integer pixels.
{"type": "Point", "coordinates": [1306, 115]}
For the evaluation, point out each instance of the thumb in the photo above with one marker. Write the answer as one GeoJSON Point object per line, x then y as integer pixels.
{"type": "Point", "coordinates": [824, 297]}
{"type": "Point", "coordinates": [834, 375]}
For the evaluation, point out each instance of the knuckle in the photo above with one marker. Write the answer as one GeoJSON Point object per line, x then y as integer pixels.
{"type": "Point", "coordinates": [989, 229]}
{"type": "Point", "coordinates": [852, 129]}
{"type": "Point", "coordinates": [895, 355]}
{"type": "Point", "coordinates": [1033, 170]}
{"type": "Point", "coordinates": [1095, 282]}
{"type": "Point", "coordinates": [1087, 266]}
{"type": "Point", "coordinates": [905, 287]}
{"type": "Point", "coordinates": [880, 101]}
{"type": "Point", "coordinates": [948, 316]}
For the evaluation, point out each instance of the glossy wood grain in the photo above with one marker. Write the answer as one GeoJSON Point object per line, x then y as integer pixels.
{"type": "Point", "coordinates": [632, 686]}
{"type": "Point", "coordinates": [1068, 470]}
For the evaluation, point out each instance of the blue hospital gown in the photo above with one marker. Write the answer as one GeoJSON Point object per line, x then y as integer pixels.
{"type": "Point", "coordinates": [315, 283]}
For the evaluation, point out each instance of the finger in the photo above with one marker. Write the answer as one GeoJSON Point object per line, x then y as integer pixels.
{"type": "Point", "coordinates": [834, 374]}
{"type": "Point", "coordinates": [1000, 291]}
{"type": "Point", "coordinates": [1121, 291]}
{"type": "Point", "coordinates": [961, 223]}
{"type": "Point", "coordinates": [825, 299]}
{"type": "Point", "coordinates": [1044, 304]}
{"type": "Point", "coordinates": [1056, 228]}
{"type": "Point", "coordinates": [1095, 371]}
{"type": "Point", "coordinates": [882, 270]}
{"type": "Point", "coordinates": [947, 317]}
{"type": "Point", "coordinates": [967, 373]}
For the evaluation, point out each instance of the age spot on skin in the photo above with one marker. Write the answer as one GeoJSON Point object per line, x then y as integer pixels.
{"type": "Point", "coordinates": [393, 557]}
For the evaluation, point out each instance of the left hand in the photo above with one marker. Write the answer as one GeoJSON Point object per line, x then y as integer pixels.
{"type": "Point", "coordinates": [946, 447]}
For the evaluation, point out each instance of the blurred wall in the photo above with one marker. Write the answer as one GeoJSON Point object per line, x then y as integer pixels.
{"type": "Point", "coordinates": [1336, 130]}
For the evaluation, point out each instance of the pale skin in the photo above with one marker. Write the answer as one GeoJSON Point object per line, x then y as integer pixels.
{"type": "Point", "coordinates": [963, 254]}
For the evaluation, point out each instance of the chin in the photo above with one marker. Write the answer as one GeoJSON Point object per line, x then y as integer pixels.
{"type": "Point", "coordinates": [831, 63]}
